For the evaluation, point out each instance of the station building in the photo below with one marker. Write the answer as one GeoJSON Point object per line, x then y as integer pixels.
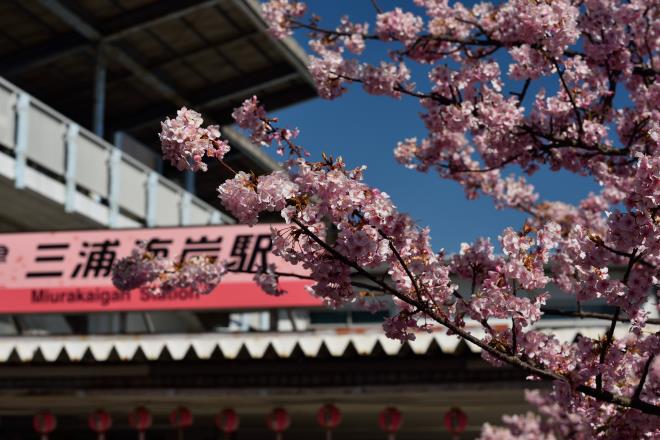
{"type": "Point", "coordinates": [83, 85]}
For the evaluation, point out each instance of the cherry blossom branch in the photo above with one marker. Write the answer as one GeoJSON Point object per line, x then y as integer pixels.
{"type": "Point", "coordinates": [599, 242]}
{"type": "Point", "coordinates": [474, 131]}
{"type": "Point", "coordinates": [523, 92]}
{"type": "Point", "coordinates": [557, 143]}
{"type": "Point", "coordinates": [401, 89]}
{"type": "Point", "coordinates": [570, 95]}
{"type": "Point", "coordinates": [376, 6]}
{"type": "Point", "coordinates": [609, 397]}
{"type": "Point", "coordinates": [514, 330]}
{"type": "Point", "coordinates": [481, 170]}
{"type": "Point", "coordinates": [642, 380]}
{"type": "Point", "coordinates": [509, 359]}
{"type": "Point", "coordinates": [226, 165]}
{"type": "Point", "coordinates": [330, 32]}
{"type": "Point", "coordinates": [610, 333]}
{"type": "Point", "coordinates": [594, 315]}
{"type": "Point", "coordinates": [403, 265]}
{"type": "Point", "coordinates": [305, 277]}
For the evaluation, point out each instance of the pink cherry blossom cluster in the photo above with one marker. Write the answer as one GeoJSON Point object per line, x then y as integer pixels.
{"type": "Point", "coordinates": [371, 233]}
{"type": "Point", "coordinates": [398, 25]}
{"type": "Point", "coordinates": [331, 72]}
{"type": "Point", "coordinates": [279, 14]}
{"type": "Point", "coordinates": [251, 116]}
{"type": "Point", "coordinates": [184, 142]}
{"type": "Point", "coordinates": [268, 280]}
{"type": "Point", "coordinates": [245, 196]}
{"type": "Point", "coordinates": [478, 124]}
{"type": "Point", "coordinates": [160, 276]}
{"type": "Point", "coordinates": [484, 114]}
{"type": "Point", "coordinates": [353, 35]}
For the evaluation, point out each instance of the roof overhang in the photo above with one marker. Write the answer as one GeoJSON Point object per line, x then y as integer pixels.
{"type": "Point", "coordinates": [205, 54]}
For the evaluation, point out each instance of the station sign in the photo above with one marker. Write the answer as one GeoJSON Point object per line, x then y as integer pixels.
{"type": "Point", "coordinates": [71, 271]}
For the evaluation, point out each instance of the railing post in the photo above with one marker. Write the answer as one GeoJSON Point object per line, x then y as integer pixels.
{"type": "Point", "coordinates": [152, 187]}
{"type": "Point", "coordinates": [21, 133]}
{"type": "Point", "coordinates": [189, 181]}
{"type": "Point", "coordinates": [216, 218]}
{"type": "Point", "coordinates": [70, 170]}
{"type": "Point", "coordinates": [184, 208]}
{"type": "Point", "coordinates": [113, 193]}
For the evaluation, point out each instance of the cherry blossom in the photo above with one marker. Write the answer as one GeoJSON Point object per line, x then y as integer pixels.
{"type": "Point", "coordinates": [278, 13]}
{"type": "Point", "coordinates": [267, 279]}
{"type": "Point", "coordinates": [184, 142]}
{"type": "Point", "coordinates": [398, 25]}
{"type": "Point", "coordinates": [353, 34]}
{"type": "Point", "coordinates": [160, 276]}
{"type": "Point", "coordinates": [575, 90]}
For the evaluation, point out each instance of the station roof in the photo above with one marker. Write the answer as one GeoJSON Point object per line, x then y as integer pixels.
{"type": "Point", "coordinates": [365, 343]}
{"type": "Point", "coordinates": [160, 55]}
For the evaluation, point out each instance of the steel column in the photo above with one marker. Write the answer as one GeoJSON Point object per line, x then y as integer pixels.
{"type": "Point", "coordinates": [100, 73]}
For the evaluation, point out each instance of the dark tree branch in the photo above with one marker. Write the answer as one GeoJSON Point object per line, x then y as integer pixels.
{"type": "Point", "coordinates": [594, 315]}
{"type": "Point", "coordinates": [377, 7]}
{"type": "Point", "coordinates": [523, 92]}
{"type": "Point", "coordinates": [642, 380]}
{"type": "Point", "coordinates": [610, 333]}
{"type": "Point", "coordinates": [505, 357]}
{"type": "Point", "coordinates": [570, 95]}
{"type": "Point", "coordinates": [306, 277]}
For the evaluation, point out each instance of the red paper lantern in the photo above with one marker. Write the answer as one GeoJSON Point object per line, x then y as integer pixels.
{"type": "Point", "coordinates": [227, 421]}
{"type": "Point", "coordinates": [455, 421]}
{"type": "Point", "coordinates": [140, 419]}
{"type": "Point", "coordinates": [329, 416]}
{"type": "Point", "coordinates": [390, 420]}
{"type": "Point", "coordinates": [181, 418]}
{"type": "Point", "coordinates": [100, 421]}
{"type": "Point", "coordinates": [44, 423]}
{"type": "Point", "coordinates": [278, 420]}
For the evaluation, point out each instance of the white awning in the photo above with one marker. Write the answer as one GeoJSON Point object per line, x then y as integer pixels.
{"type": "Point", "coordinates": [154, 347]}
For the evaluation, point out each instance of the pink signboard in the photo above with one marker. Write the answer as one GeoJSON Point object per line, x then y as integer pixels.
{"type": "Point", "coordinates": [71, 271]}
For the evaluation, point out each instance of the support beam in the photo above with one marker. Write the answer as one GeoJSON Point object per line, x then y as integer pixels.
{"type": "Point", "coordinates": [127, 23]}
{"type": "Point", "coordinates": [118, 55]}
{"type": "Point", "coordinates": [72, 19]}
{"type": "Point", "coordinates": [150, 15]}
{"type": "Point", "coordinates": [41, 54]}
{"type": "Point", "coordinates": [145, 75]}
{"type": "Point", "coordinates": [159, 65]}
{"type": "Point", "coordinates": [225, 99]}
{"type": "Point", "coordinates": [213, 95]}
{"type": "Point", "coordinates": [100, 71]}
{"type": "Point", "coordinates": [272, 101]}
{"type": "Point", "coordinates": [291, 50]}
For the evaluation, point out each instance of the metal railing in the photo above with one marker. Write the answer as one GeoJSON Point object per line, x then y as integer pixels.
{"type": "Point", "coordinates": [40, 138]}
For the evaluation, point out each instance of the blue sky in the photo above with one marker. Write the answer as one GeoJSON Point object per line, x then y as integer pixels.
{"type": "Point", "coordinates": [364, 129]}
